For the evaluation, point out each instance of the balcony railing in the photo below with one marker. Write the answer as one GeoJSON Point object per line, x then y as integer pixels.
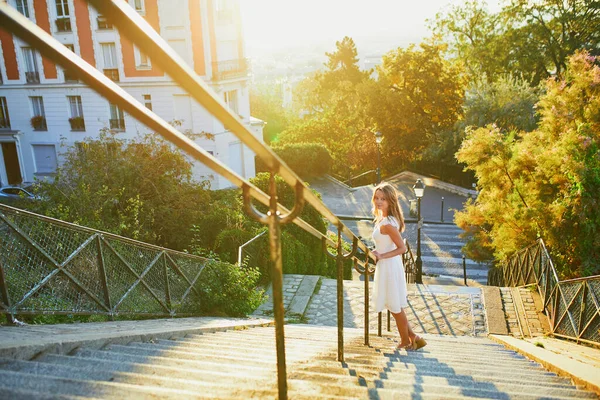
{"type": "Point", "coordinates": [63, 24]}
{"type": "Point", "coordinates": [32, 77]}
{"type": "Point", "coordinates": [4, 123]}
{"type": "Point", "coordinates": [103, 23]}
{"type": "Point", "coordinates": [230, 69]}
{"type": "Point", "coordinates": [70, 76]}
{"type": "Point", "coordinates": [77, 124]}
{"type": "Point", "coordinates": [117, 124]}
{"type": "Point", "coordinates": [112, 73]}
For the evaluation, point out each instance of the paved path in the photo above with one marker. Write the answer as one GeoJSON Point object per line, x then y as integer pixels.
{"type": "Point", "coordinates": [434, 309]}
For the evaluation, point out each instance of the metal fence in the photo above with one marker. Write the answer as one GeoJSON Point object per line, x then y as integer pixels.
{"type": "Point", "coordinates": [49, 266]}
{"type": "Point", "coordinates": [572, 306]}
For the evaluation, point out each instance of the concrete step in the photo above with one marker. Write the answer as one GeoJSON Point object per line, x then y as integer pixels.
{"type": "Point", "coordinates": [243, 364]}
{"type": "Point", "coordinates": [193, 363]}
{"type": "Point", "coordinates": [488, 390]}
{"type": "Point", "coordinates": [198, 370]}
{"type": "Point", "coordinates": [19, 394]}
{"type": "Point", "coordinates": [457, 271]}
{"type": "Point", "coordinates": [446, 243]}
{"type": "Point", "coordinates": [267, 345]}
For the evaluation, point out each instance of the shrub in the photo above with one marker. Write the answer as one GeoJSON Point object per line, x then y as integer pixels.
{"type": "Point", "coordinates": [306, 159]}
{"type": "Point", "coordinates": [228, 289]}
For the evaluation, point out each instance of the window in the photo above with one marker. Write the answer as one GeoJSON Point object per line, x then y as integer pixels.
{"type": "Point", "coordinates": [109, 60]}
{"type": "Point", "coordinates": [23, 7]}
{"type": "Point", "coordinates": [45, 158]}
{"type": "Point", "coordinates": [4, 118]}
{"type": "Point", "coordinates": [62, 8]}
{"type": "Point", "coordinates": [231, 99]}
{"type": "Point", "coordinates": [76, 111]}
{"type": "Point", "coordinates": [38, 118]}
{"type": "Point", "coordinates": [139, 6]}
{"type": "Point", "coordinates": [103, 22]}
{"type": "Point", "coordinates": [109, 55]}
{"type": "Point", "coordinates": [117, 118]}
{"type": "Point", "coordinates": [63, 22]}
{"type": "Point", "coordinates": [147, 101]}
{"type": "Point", "coordinates": [142, 61]}
{"type": "Point", "coordinates": [31, 69]}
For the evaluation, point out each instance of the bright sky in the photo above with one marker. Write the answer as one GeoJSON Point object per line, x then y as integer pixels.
{"type": "Point", "coordinates": [275, 24]}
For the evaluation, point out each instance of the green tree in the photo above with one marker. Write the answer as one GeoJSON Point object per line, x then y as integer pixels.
{"type": "Point", "coordinates": [334, 103]}
{"type": "Point", "coordinates": [527, 38]}
{"type": "Point", "coordinates": [508, 102]}
{"type": "Point", "coordinates": [140, 189]}
{"type": "Point", "coordinates": [416, 102]}
{"type": "Point", "coordinates": [543, 183]}
{"type": "Point", "coordinates": [266, 103]}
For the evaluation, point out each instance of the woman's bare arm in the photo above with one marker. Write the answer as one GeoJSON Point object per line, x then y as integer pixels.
{"type": "Point", "coordinates": [396, 237]}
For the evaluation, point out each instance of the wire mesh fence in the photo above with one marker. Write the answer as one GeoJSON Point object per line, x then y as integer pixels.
{"type": "Point", "coordinates": [53, 267]}
{"type": "Point", "coordinates": [572, 307]}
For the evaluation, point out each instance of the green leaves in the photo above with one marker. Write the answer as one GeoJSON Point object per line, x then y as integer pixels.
{"type": "Point", "coordinates": [544, 183]}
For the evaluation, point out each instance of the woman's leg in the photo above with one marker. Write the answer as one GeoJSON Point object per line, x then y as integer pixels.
{"type": "Point", "coordinates": [403, 328]}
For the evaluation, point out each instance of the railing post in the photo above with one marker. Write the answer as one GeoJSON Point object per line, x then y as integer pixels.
{"type": "Point", "coordinates": [389, 317]}
{"type": "Point", "coordinates": [274, 220]}
{"type": "Point", "coordinates": [4, 293]}
{"type": "Point", "coordinates": [442, 214]}
{"type": "Point", "coordinates": [366, 275]}
{"type": "Point", "coordinates": [340, 257]}
{"type": "Point", "coordinates": [167, 284]}
{"type": "Point", "coordinates": [340, 295]}
{"type": "Point", "coordinates": [580, 326]}
{"type": "Point", "coordinates": [103, 277]}
{"type": "Point", "coordinates": [465, 269]}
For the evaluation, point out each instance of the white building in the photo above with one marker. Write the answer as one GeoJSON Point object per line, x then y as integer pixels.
{"type": "Point", "coordinates": [43, 108]}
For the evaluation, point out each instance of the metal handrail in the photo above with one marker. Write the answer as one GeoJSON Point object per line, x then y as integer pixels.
{"type": "Point", "coordinates": [571, 306]}
{"type": "Point", "coordinates": [241, 248]}
{"type": "Point", "coordinates": [149, 41]}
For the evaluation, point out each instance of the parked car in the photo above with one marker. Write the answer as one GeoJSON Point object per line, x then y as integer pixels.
{"type": "Point", "coordinates": [14, 194]}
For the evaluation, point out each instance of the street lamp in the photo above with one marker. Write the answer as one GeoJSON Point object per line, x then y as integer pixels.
{"type": "Point", "coordinates": [419, 188]}
{"type": "Point", "coordinates": [378, 139]}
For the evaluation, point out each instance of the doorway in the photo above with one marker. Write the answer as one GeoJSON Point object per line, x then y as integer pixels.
{"type": "Point", "coordinates": [11, 163]}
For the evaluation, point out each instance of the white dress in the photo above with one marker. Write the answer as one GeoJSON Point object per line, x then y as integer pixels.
{"type": "Point", "coordinates": [389, 288]}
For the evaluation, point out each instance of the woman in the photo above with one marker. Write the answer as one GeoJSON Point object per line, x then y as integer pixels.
{"type": "Point", "coordinates": [390, 283]}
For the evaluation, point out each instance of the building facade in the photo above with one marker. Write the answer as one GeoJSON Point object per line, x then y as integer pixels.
{"type": "Point", "coordinates": [44, 109]}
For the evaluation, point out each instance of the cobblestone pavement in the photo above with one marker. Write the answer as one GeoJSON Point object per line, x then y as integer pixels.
{"type": "Point", "coordinates": [291, 283]}
{"type": "Point", "coordinates": [524, 303]}
{"type": "Point", "coordinates": [445, 310]}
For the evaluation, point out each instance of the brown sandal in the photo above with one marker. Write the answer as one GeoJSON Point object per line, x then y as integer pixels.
{"type": "Point", "coordinates": [419, 342]}
{"type": "Point", "coordinates": [408, 347]}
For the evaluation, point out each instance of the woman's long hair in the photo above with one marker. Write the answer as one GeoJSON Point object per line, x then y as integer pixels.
{"type": "Point", "coordinates": [394, 210]}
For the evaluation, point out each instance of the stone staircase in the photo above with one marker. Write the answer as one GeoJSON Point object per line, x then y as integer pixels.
{"type": "Point", "coordinates": [242, 364]}
{"type": "Point", "coordinates": [441, 253]}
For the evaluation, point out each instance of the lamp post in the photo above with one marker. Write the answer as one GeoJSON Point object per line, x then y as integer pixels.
{"type": "Point", "coordinates": [378, 139]}
{"type": "Point", "coordinates": [419, 188]}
